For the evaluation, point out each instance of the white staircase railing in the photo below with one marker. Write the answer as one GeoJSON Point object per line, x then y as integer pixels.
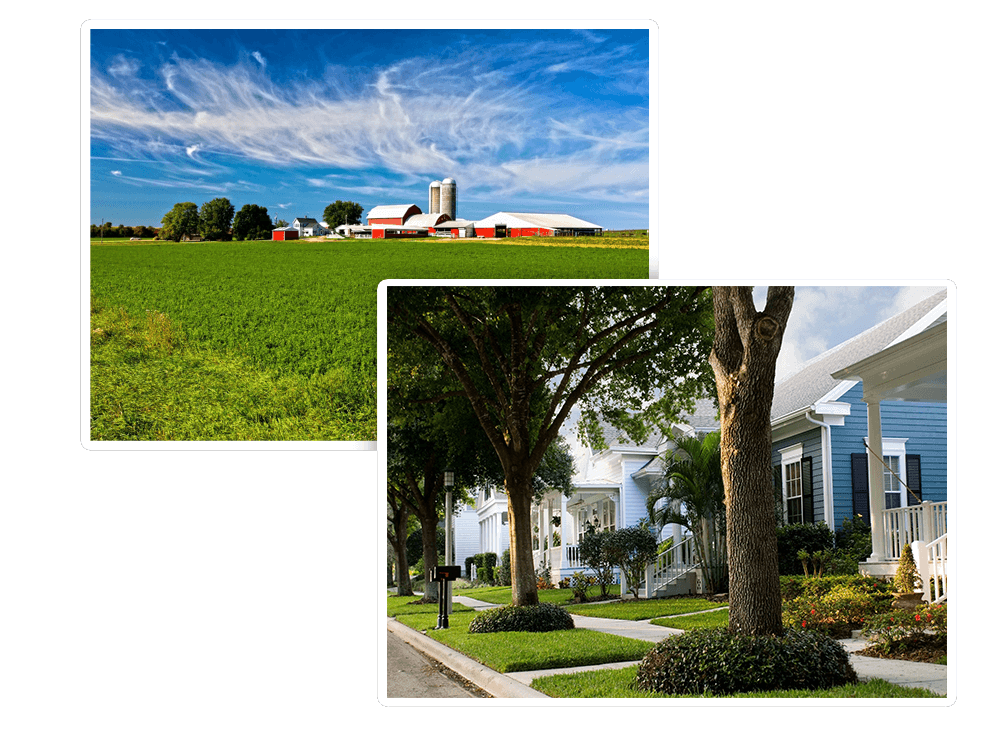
{"type": "Point", "coordinates": [670, 565]}
{"type": "Point", "coordinates": [932, 566]}
{"type": "Point", "coordinates": [909, 524]}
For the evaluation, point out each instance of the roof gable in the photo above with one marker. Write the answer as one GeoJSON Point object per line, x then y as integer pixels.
{"type": "Point", "coordinates": [814, 382]}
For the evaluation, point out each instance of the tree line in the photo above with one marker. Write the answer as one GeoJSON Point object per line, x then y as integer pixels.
{"type": "Point", "coordinates": [107, 230]}
{"type": "Point", "coordinates": [218, 220]}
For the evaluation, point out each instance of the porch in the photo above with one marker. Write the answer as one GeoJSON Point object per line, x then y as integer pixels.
{"type": "Point", "coordinates": [914, 369]}
{"type": "Point", "coordinates": [559, 523]}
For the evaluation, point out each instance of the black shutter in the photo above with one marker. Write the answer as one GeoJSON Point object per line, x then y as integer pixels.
{"type": "Point", "coordinates": [807, 490]}
{"type": "Point", "coordinates": [859, 485]}
{"type": "Point", "coordinates": [913, 479]}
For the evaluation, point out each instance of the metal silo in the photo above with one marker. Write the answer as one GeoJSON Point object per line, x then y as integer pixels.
{"type": "Point", "coordinates": [448, 197]}
{"type": "Point", "coordinates": [434, 205]}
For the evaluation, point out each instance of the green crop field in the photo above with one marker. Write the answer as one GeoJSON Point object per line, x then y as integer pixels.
{"type": "Point", "coordinates": [276, 341]}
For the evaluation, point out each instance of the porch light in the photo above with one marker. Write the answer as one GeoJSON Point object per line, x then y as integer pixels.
{"type": "Point", "coordinates": [449, 478]}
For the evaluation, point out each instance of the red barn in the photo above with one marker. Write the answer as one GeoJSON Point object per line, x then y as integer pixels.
{"type": "Point", "coordinates": [392, 214]}
{"type": "Point", "coordinates": [285, 233]}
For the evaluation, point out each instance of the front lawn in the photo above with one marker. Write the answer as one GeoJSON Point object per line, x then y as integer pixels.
{"type": "Point", "coordinates": [502, 595]}
{"type": "Point", "coordinates": [707, 620]}
{"type": "Point", "coordinates": [640, 610]}
{"type": "Point", "coordinates": [620, 683]}
{"type": "Point", "coordinates": [521, 651]}
{"type": "Point", "coordinates": [406, 605]}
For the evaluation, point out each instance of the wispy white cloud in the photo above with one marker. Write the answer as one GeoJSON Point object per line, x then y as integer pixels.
{"type": "Point", "coordinates": [496, 123]}
{"type": "Point", "coordinates": [116, 173]}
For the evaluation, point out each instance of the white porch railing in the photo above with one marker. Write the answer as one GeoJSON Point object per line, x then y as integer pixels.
{"type": "Point", "coordinates": [909, 524]}
{"type": "Point", "coordinates": [557, 558]}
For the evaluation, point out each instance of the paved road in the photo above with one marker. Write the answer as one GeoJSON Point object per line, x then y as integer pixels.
{"type": "Point", "coordinates": [414, 675]}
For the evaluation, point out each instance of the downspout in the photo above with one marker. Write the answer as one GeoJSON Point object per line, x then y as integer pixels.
{"type": "Point", "coordinates": [827, 469]}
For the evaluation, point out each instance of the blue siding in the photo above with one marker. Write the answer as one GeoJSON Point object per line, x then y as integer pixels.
{"type": "Point", "coordinates": [812, 446]}
{"type": "Point", "coordinates": [922, 424]}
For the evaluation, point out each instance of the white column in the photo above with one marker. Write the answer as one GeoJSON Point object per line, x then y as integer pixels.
{"type": "Point", "coordinates": [876, 481]}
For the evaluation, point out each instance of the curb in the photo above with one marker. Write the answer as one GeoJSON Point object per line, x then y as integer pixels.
{"type": "Point", "coordinates": [496, 684]}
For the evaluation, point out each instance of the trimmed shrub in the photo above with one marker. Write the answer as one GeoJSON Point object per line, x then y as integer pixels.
{"type": "Point", "coordinates": [502, 572]}
{"type": "Point", "coordinates": [906, 572]}
{"type": "Point", "coordinates": [795, 537]}
{"type": "Point", "coordinates": [717, 662]}
{"type": "Point", "coordinates": [896, 630]}
{"type": "Point", "coordinates": [836, 612]}
{"type": "Point", "coordinates": [543, 617]}
{"type": "Point", "coordinates": [794, 586]}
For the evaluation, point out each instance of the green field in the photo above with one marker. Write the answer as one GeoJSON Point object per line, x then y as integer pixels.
{"type": "Point", "coordinates": [277, 341]}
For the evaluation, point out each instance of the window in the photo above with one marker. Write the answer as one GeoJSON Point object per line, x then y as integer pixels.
{"type": "Point", "coordinates": [894, 472]}
{"type": "Point", "coordinates": [893, 498]}
{"type": "Point", "coordinates": [791, 483]}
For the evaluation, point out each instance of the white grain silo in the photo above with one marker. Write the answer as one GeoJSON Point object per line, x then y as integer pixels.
{"type": "Point", "coordinates": [434, 204]}
{"type": "Point", "coordinates": [448, 203]}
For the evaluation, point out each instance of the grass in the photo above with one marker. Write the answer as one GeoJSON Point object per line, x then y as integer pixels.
{"type": "Point", "coordinates": [523, 651]}
{"type": "Point", "coordinates": [502, 595]}
{"type": "Point", "coordinates": [149, 382]}
{"type": "Point", "coordinates": [643, 609]}
{"type": "Point", "coordinates": [620, 683]}
{"type": "Point", "coordinates": [298, 311]}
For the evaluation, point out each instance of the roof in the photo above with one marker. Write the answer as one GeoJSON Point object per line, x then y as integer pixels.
{"type": "Point", "coordinates": [390, 210]}
{"type": "Point", "coordinates": [453, 224]}
{"type": "Point", "coordinates": [814, 380]}
{"type": "Point", "coordinates": [429, 219]}
{"type": "Point", "coordinates": [277, 229]}
{"type": "Point", "coordinates": [536, 219]}
{"type": "Point", "coordinates": [703, 417]}
{"type": "Point", "coordinates": [306, 220]}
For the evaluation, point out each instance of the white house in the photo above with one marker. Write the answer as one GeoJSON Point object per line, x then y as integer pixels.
{"type": "Point", "coordinates": [610, 491]}
{"type": "Point", "coordinates": [308, 227]}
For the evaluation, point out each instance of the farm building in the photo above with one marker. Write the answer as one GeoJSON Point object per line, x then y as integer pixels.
{"type": "Point", "coordinates": [285, 233]}
{"type": "Point", "coordinates": [521, 224]}
{"type": "Point", "coordinates": [454, 229]}
{"type": "Point", "coordinates": [307, 227]}
{"type": "Point", "coordinates": [397, 231]}
{"type": "Point", "coordinates": [392, 214]}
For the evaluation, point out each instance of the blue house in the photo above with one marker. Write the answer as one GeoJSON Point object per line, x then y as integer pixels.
{"type": "Point", "coordinates": [862, 430]}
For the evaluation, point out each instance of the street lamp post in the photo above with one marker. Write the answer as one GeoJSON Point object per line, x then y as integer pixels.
{"type": "Point", "coordinates": [449, 481]}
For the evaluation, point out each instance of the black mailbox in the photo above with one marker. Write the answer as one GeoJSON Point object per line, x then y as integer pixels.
{"type": "Point", "coordinates": [446, 572]}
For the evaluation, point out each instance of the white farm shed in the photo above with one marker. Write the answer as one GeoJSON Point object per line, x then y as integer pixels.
{"type": "Point", "coordinates": [520, 224]}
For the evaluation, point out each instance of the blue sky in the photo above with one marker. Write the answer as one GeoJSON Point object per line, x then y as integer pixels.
{"type": "Point", "coordinates": [823, 316]}
{"type": "Point", "coordinates": [523, 120]}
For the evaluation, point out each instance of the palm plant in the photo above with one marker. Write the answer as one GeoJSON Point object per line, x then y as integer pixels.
{"type": "Point", "coordinates": [695, 499]}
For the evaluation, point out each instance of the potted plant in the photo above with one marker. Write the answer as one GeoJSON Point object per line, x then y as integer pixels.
{"type": "Point", "coordinates": [906, 580]}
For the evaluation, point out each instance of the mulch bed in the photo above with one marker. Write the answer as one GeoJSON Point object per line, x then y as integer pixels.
{"type": "Point", "coordinates": [918, 648]}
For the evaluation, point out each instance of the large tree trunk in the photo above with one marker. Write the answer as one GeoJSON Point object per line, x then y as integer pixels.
{"type": "Point", "coordinates": [428, 533]}
{"type": "Point", "coordinates": [743, 358]}
{"type": "Point", "coordinates": [524, 586]}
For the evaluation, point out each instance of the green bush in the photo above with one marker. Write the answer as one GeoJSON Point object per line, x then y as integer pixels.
{"type": "Point", "coordinates": [836, 612]}
{"type": "Point", "coordinates": [717, 662]}
{"type": "Point", "coordinates": [502, 572]}
{"type": "Point", "coordinates": [906, 572]}
{"type": "Point", "coordinates": [543, 617]}
{"type": "Point", "coordinates": [794, 586]}
{"type": "Point", "coordinates": [795, 537]}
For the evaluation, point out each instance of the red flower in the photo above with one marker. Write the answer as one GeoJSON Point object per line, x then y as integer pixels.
{"type": "Point", "coordinates": [918, 617]}
{"type": "Point", "coordinates": [803, 624]}
{"type": "Point", "coordinates": [813, 611]}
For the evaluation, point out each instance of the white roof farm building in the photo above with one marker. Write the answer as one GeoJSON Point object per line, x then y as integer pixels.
{"type": "Point", "coordinates": [410, 221]}
{"type": "Point", "coordinates": [518, 224]}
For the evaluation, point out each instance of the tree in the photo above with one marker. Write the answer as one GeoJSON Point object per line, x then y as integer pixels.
{"type": "Point", "coordinates": [281, 223]}
{"type": "Point", "coordinates": [694, 497]}
{"type": "Point", "coordinates": [398, 524]}
{"type": "Point", "coordinates": [608, 349]}
{"type": "Point", "coordinates": [182, 221]}
{"type": "Point", "coordinates": [342, 213]}
{"type": "Point", "coordinates": [252, 223]}
{"type": "Point", "coordinates": [592, 555]}
{"type": "Point", "coordinates": [423, 442]}
{"type": "Point", "coordinates": [216, 219]}
{"type": "Point", "coordinates": [631, 549]}
{"type": "Point", "coordinates": [743, 358]}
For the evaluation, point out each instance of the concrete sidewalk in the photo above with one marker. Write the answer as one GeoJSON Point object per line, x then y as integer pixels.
{"type": "Point", "coordinates": [933, 677]}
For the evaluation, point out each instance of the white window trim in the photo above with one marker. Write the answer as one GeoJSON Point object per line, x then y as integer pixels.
{"type": "Point", "coordinates": [789, 456]}
{"type": "Point", "coordinates": [896, 447]}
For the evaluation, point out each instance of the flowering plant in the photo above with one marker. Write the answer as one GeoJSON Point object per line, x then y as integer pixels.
{"type": "Point", "coordinates": [897, 628]}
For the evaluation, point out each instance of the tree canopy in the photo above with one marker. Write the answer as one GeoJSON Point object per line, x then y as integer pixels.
{"type": "Point", "coordinates": [252, 223]}
{"type": "Point", "coordinates": [182, 221]}
{"type": "Point", "coordinates": [524, 357]}
{"type": "Point", "coordinates": [342, 213]}
{"type": "Point", "coordinates": [216, 218]}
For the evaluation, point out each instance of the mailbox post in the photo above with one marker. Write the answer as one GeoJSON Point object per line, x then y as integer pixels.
{"type": "Point", "coordinates": [443, 575]}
